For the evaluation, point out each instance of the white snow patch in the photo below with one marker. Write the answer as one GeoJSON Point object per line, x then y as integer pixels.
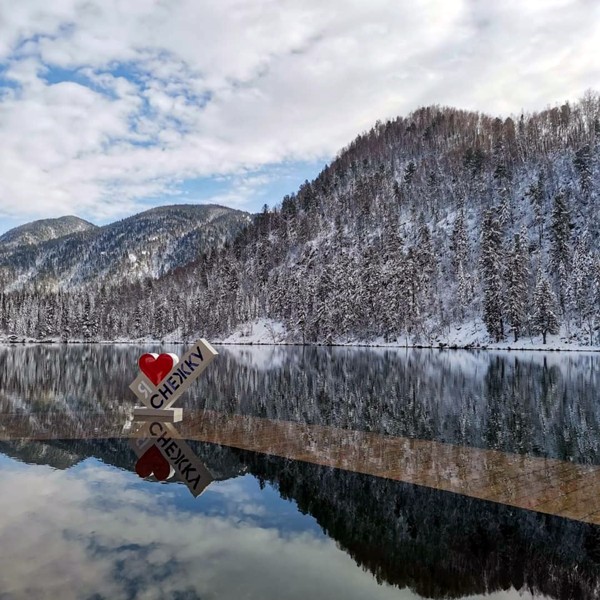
{"type": "Point", "coordinates": [261, 357]}
{"type": "Point", "coordinates": [260, 331]}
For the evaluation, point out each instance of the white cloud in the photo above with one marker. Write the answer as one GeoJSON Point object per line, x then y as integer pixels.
{"type": "Point", "coordinates": [166, 91]}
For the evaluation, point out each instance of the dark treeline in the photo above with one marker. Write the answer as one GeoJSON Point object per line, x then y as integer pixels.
{"type": "Point", "coordinates": [440, 545]}
{"type": "Point", "coordinates": [422, 224]}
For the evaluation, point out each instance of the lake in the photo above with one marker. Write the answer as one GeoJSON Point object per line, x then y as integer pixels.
{"type": "Point", "coordinates": [336, 473]}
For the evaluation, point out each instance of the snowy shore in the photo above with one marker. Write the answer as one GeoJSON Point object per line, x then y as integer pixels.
{"type": "Point", "coordinates": [470, 336]}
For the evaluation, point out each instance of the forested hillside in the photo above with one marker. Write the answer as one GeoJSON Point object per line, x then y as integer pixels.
{"type": "Point", "coordinates": [42, 231]}
{"type": "Point", "coordinates": [145, 245]}
{"type": "Point", "coordinates": [422, 225]}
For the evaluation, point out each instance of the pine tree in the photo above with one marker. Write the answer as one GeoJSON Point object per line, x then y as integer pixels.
{"type": "Point", "coordinates": [50, 314]}
{"type": "Point", "coordinates": [544, 319]}
{"type": "Point", "coordinates": [491, 269]}
{"type": "Point", "coordinates": [580, 290]}
{"type": "Point", "coordinates": [89, 323]}
{"type": "Point", "coordinates": [517, 278]}
{"type": "Point", "coordinates": [505, 212]}
{"type": "Point", "coordinates": [409, 173]}
{"type": "Point", "coordinates": [324, 306]}
{"type": "Point", "coordinates": [40, 327]}
{"type": "Point", "coordinates": [410, 279]}
{"type": "Point", "coordinates": [596, 296]}
{"type": "Point", "coordinates": [138, 322]}
{"type": "Point", "coordinates": [583, 164]}
{"type": "Point", "coordinates": [536, 195]}
{"type": "Point", "coordinates": [459, 257]}
{"type": "Point", "coordinates": [559, 245]}
{"type": "Point", "coordinates": [65, 328]}
{"type": "Point", "coordinates": [463, 290]}
{"type": "Point", "coordinates": [459, 242]}
{"type": "Point", "coordinates": [390, 273]}
{"type": "Point", "coordinates": [426, 263]}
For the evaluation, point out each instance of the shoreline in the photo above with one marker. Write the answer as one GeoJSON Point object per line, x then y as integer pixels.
{"type": "Point", "coordinates": [442, 346]}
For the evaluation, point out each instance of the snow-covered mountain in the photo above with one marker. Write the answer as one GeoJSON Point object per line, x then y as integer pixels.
{"type": "Point", "coordinates": [145, 245]}
{"type": "Point", "coordinates": [43, 231]}
{"type": "Point", "coordinates": [424, 230]}
{"type": "Point", "coordinates": [440, 227]}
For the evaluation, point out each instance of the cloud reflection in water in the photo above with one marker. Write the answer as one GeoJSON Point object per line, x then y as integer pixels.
{"type": "Point", "coordinates": [96, 531]}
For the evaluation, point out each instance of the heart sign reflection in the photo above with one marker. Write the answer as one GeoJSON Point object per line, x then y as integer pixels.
{"type": "Point", "coordinates": [152, 461]}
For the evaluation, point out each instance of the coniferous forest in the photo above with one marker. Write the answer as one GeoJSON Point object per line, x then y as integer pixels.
{"type": "Point", "coordinates": [424, 225]}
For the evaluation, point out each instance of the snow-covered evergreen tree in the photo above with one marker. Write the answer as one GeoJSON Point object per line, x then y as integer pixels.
{"type": "Point", "coordinates": [459, 241]}
{"type": "Point", "coordinates": [89, 325]}
{"type": "Point", "coordinates": [560, 245]}
{"type": "Point", "coordinates": [544, 318]}
{"type": "Point", "coordinates": [537, 196]}
{"type": "Point", "coordinates": [580, 292]}
{"type": "Point", "coordinates": [491, 274]}
{"type": "Point", "coordinates": [517, 281]}
{"type": "Point", "coordinates": [583, 165]}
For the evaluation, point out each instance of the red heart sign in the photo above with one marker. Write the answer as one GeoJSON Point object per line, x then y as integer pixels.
{"type": "Point", "coordinates": [156, 367]}
{"type": "Point", "coordinates": [152, 461]}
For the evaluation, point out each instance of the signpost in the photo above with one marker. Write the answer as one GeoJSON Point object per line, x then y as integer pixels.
{"type": "Point", "coordinates": [159, 395]}
{"type": "Point", "coordinates": [158, 445]}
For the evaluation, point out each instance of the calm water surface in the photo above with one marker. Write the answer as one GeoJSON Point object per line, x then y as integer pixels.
{"type": "Point", "coordinates": [77, 522]}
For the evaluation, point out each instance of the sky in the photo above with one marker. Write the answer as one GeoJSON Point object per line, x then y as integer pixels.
{"type": "Point", "coordinates": [111, 107]}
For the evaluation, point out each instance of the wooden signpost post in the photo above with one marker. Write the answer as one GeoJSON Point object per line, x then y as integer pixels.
{"type": "Point", "coordinates": [160, 450]}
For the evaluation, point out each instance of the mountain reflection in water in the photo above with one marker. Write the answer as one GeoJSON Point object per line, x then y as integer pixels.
{"type": "Point", "coordinates": [541, 404]}
{"type": "Point", "coordinates": [435, 543]}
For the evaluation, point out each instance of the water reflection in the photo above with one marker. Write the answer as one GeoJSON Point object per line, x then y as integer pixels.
{"type": "Point", "coordinates": [542, 404]}
{"type": "Point", "coordinates": [74, 512]}
{"type": "Point", "coordinates": [162, 453]}
{"type": "Point", "coordinates": [436, 544]}
{"type": "Point", "coordinates": [95, 533]}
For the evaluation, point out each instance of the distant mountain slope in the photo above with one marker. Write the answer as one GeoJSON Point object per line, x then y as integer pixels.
{"type": "Point", "coordinates": [44, 230]}
{"type": "Point", "coordinates": [148, 244]}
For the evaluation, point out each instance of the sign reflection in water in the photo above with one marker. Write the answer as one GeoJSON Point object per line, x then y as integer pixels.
{"type": "Point", "coordinates": [161, 452]}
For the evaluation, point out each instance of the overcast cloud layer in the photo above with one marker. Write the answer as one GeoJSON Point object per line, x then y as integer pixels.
{"type": "Point", "coordinates": [106, 104]}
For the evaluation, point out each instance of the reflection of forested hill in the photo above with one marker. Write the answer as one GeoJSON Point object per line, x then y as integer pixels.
{"type": "Point", "coordinates": [527, 403]}
{"type": "Point", "coordinates": [63, 454]}
{"type": "Point", "coordinates": [39, 453]}
{"type": "Point", "coordinates": [440, 545]}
